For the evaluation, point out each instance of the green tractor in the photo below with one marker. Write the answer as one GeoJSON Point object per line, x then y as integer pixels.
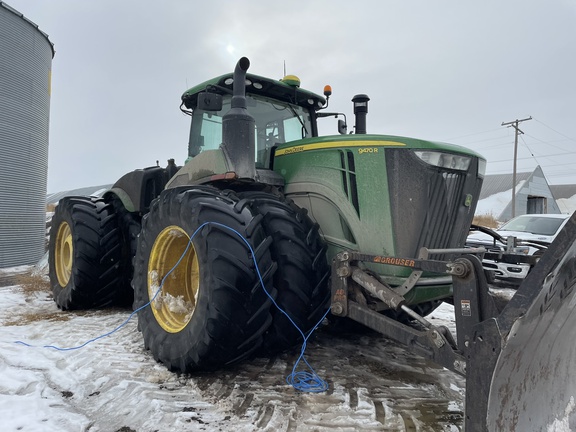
{"type": "Point", "coordinates": [267, 225]}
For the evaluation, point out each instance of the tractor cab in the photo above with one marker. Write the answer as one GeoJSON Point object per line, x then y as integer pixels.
{"type": "Point", "coordinates": [282, 112]}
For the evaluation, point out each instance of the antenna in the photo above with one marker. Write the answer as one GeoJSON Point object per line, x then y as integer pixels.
{"type": "Point", "coordinates": [284, 68]}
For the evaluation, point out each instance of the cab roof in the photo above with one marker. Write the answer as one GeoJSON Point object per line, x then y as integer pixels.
{"type": "Point", "coordinates": [256, 85]}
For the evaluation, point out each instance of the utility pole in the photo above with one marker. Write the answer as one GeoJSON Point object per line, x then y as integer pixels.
{"type": "Point", "coordinates": [514, 124]}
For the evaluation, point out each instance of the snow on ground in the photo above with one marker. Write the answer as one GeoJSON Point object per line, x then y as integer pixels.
{"type": "Point", "coordinates": [495, 204]}
{"type": "Point", "coordinates": [104, 386]}
{"type": "Point", "coordinates": [567, 205]}
{"type": "Point", "coordinates": [113, 384]}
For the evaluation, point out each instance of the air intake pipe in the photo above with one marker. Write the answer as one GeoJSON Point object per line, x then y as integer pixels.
{"type": "Point", "coordinates": [238, 127]}
{"type": "Point", "coordinates": [360, 102]}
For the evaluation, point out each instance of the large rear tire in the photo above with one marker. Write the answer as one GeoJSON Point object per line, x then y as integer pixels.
{"type": "Point", "coordinates": [211, 309]}
{"type": "Point", "coordinates": [85, 254]}
{"type": "Point", "coordinates": [301, 278]}
{"type": "Point", "coordinates": [130, 224]}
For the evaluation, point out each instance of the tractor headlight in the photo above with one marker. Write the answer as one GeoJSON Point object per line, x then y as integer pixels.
{"type": "Point", "coordinates": [444, 160]}
{"type": "Point", "coordinates": [481, 167]}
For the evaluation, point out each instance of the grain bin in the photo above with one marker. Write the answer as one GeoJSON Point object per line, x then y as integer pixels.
{"type": "Point", "coordinates": [25, 67]}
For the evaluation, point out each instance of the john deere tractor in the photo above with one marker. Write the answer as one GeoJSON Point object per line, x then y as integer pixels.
{"type": "Point", "coordinates": [267, 225]}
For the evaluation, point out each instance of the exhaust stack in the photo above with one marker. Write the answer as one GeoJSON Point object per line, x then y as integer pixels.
{"type": "Point", "coordinates": [238, 127]}
{"type": "Point", "coordinates": [360, 110]}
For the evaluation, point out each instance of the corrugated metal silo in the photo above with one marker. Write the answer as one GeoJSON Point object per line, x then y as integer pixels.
{"type": "Point", "coordinates": [25, 67]}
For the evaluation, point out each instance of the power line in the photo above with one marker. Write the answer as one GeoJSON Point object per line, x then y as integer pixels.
{"type": "Point", "coordinates": [486, 139]}
{"type": "Point", "coordinates": [524, 158]}
{"type": "Point", "coordinates": [550, 143]}
{"type": "Point", "coordinates": [471, 134]}
{"type": "Point", "coordinates": [531, 153]}
{"type": "Point", "coordinates": [552, 129]}
{"type": "Point", "coordinates": [559, 165]}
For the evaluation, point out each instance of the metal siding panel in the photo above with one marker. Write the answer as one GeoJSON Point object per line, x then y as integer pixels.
{"type": "Point", "coordinates": [539, 187]}
{"type": "Point", "coordinates": [553, 206]}
{"type": "Point", "coordinates": [496, 183]}
{"type": "Point", "coordinates": [26, 62]}
{"type": "Point", "coordinates": [563, 191]}
{"type": "Point", "coordinates": [522, 201]}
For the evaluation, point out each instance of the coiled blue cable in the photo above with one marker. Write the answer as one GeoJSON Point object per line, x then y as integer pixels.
{"type": "Point", "coordinates": [306, 381]}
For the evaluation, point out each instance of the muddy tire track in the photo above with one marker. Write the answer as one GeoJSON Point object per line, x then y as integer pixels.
{"type": "Point", "coordinates": [374, 385]}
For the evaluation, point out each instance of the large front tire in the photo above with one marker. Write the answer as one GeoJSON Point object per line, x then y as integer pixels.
{"type": "Point", "coordinates": [85, 254]}
{"type": "Point", "coordinates": [208, 308]}
{"type": "Point", "coordinates": [302, 275]}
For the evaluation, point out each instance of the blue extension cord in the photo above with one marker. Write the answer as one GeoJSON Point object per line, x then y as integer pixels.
{"type": "Point", "coordinates": [306, 381]}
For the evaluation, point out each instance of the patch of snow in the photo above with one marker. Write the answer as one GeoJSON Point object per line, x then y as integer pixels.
{"type": "Point", "coordinates": [41, 267]}
{"type": "Point", "coordinates": [15, 270]}
{"type": "Point", "coordinates": [154, 281]}
{"type": "Point", "coordinates": [174, 304]}
{"type": "Point", "coordinates": [567, 205]}
{"type": "Point", "coordinates": [443, 316]}
{"type": "Point", "coordinates": [28, 403]}
{"type": "Point", "coordinates": [563, 424]}
{"type": "Point", "coordinates": [495, 204]}
{"type": "Point", "coordinates": [453, 405]}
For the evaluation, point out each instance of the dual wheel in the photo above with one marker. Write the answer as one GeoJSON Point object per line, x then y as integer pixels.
{"type": "Point", "coordinates": [215, 266]}
{"type": "Point", "coordinates": [89, 257]}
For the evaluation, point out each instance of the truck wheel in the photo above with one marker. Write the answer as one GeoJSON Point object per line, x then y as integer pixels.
{"type": "Point", "coordinates": [302, 275]}
{"type": "Point", "coordinates": [207, 306]}
{"type": "Point", "coordinates": [84, 254]}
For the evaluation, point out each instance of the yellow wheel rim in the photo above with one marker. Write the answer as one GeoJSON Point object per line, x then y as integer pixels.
{"type": "Point", "coordinates": [63, 252]}
{"type": "Point", "coordinates": [175, 304]}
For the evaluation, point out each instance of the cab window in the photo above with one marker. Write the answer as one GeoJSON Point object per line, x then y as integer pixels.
{"type": "Point", "coordinates": [275, 123]}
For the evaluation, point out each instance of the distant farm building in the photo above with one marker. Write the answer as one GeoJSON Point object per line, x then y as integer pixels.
{"type": "Point", "coordinates": [533, 195]}
{"type": "Point", "coordinates": [52, 199]}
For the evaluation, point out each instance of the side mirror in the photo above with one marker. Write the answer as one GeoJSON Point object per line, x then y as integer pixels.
{"type": "Point", "coordinates": [342, 127]}
{"type": "Point", "coordinates": [209, 101]}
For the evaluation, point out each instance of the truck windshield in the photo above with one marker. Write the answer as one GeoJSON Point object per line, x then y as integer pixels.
{"type": "Point", "coordinates": [275, 123]}
{"type": "Point", "coordinates": [533, 224]}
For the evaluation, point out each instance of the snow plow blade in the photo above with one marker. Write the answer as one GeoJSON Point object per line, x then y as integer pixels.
{"type": "Point", "coordinates": [521, 365]}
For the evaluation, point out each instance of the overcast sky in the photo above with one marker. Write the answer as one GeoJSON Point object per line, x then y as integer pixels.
{"type": "Point", "coordinates": [448, 70]}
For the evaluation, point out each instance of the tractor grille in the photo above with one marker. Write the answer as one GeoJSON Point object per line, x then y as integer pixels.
{"type": "Point", "coordinates": [445, 196]}
{"type": "Point", "coordinates": [427, 203]}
